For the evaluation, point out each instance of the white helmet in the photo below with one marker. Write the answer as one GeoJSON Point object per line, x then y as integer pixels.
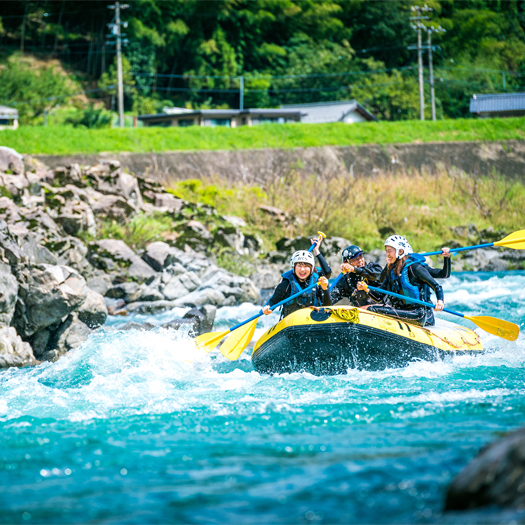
{"type": "Point", "coordinates": [399, 243]}
{"type": "Point", "coordinates": [304, 257]}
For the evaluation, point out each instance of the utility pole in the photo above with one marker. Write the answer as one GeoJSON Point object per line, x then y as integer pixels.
{"type": "Point", "coordinates": [115, 30]}
{"type": "Point", "coordinates": [241, 94]}
{"type": "Point", "coordinates": [418, 26]}
{"type": "Point", "coordinates": [431, 70]}
{"type": "Point", "coordinates": [431, 30]}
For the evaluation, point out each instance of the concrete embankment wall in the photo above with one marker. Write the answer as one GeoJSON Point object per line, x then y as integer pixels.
{"type": "Point", "coordinates": [477, 158]}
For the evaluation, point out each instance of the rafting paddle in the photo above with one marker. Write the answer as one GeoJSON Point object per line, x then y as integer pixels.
{"type": "Point", "coordinates": [236, 343]}
{"type": "Point", "coordinates": [494, 326]}
{"type": "Point", "coordinates": [515, 240]}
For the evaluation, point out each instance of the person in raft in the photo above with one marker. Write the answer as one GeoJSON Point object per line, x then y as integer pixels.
{"type": "Point", "coordinates": [355, 269]}
{"type": "Point", "coordinates": [302, 275]}
{"type": "Point", "coordinates": [408, 274]}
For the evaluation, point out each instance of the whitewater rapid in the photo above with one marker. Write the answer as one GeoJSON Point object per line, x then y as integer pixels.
{"type": "Point", "coordinates": [138, 426]}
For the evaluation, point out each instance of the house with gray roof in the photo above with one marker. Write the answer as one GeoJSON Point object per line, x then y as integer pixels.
{"type": "Point", "coordinates": [230, 118]}
{"type": "Point", "coordinates": [8, 118]}
{"type": "Point", "coordinates": [498, 105]}
{"type": "Point", "coordinates": [348, 111]}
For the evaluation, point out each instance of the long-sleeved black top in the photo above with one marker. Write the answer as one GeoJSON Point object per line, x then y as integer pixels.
{"type": "Point", "coordinates": [346, 287]}
{"type": "Point", "coordinates": [284, 288]}
{"type": "Point", "coordinates": [418, 275]}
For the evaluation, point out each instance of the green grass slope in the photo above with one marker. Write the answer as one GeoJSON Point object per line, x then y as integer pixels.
{"type": "Point", "coordinates": [67, 141]}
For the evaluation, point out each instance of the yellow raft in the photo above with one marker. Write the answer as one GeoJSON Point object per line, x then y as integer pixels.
{"type": "Point", "coordinates": [332, 340]}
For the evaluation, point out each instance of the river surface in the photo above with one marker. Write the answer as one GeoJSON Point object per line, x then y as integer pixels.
{"type": "Point", "coordinates": [139, 427]}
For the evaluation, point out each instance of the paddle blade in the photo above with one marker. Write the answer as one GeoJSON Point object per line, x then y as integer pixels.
{"type": "Point", "coordinates": [209, 341]}
{"type": "Point", "coordinates": [515, 240]}
{"type": "Point", "coordinates": [234, 346]}
{"type": "Point", "coordinates": [494, 326]}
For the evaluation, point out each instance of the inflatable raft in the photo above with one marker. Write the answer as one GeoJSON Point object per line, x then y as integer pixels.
{"type": "Point", "coordinates": [332, 340]}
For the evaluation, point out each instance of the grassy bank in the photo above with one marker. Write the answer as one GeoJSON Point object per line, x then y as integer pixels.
{"type": "Point", "coordinates": [66, 141]}
{"type": "Point", "coordinates": [430, 210]}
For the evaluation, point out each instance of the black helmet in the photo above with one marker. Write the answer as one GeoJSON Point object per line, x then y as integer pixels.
{"type": "Point", "coordinates": [351, 252]}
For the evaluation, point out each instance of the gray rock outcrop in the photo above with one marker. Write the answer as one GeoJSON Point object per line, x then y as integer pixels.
{"type": "Point", "coordinates": [495, 477]}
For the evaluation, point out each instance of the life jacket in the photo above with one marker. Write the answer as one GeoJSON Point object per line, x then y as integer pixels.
{"type": "Point", "coordinates": [308, 298]}
{"type": "Point", "coordinates": [401, 283]}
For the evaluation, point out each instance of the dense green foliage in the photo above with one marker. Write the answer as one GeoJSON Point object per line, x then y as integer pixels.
{"type": "Point", "coordinates": [192, 53]}
{"type": "Point", "coordinates": [63, 140]}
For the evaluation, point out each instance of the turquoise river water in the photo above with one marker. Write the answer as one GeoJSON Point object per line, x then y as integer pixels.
{"type": "Point", "coordinates": [139, 427]}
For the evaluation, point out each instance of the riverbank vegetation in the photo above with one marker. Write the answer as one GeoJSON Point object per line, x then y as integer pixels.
{"type": "Point", "coordinates": [450, 207]}
{"type": "Point", "coordinates": [69, 141]}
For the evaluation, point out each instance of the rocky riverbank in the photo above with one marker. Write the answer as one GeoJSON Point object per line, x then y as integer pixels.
{"type": "Point", "coordinates": [60, 279]}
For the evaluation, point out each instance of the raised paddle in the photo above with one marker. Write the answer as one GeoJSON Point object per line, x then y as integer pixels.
{"type": "Point", "coordinates": [241, 339]}
{"type": "Point", "coordinates": [515, 240]}
{"type": "Point", "coordinates": [494, 326]}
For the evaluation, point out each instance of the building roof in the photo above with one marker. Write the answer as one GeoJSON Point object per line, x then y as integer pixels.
{"type": "Point", "coordinates": [6, 112]}
{"type": "Point", "coordinates": [498, 102]}
{"type": "Point", "coordinates": [228, 113]}
{"type": "Point", "coordinates": [330, 111]}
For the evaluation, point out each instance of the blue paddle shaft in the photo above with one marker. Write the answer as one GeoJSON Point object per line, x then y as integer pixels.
{"type": "Point", "coordinates": [410, 300]}
{"type": "Point", "coordinates": [278, 304]}
{"type": "Point", "coordinates": [488, 245]}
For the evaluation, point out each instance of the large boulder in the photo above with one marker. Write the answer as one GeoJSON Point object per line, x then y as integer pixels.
{"type": "Point", "coordinates": [14, 351]}
{"type": "Point", "coordinates": [495, 477]}
{"type": "Point", "coordinates": [46, 294]}
{"type": "Point", "coordinates": [116, 256]}
{"type": "Point", "coordinates": [93, 311]}
{"type": "Point", "coordinates": [195, 235]}
{"type": "Point", "coordinates": [11, 161]}
{"type": "Point", "coordinates": [221, 288]}
{"type": "Point", "coordinates": [8, 294]}
{"type": "Point", "coordinates": [159, 255]}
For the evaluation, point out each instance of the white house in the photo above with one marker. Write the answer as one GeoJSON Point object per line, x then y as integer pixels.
{"type": "Point", "coordinates": [348, 111]}
{"type": "Point", "coordinates": [8, 118]}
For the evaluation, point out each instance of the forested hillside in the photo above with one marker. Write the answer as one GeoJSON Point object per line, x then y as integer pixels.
{"type": "Point", "coordinates": [192, 53]}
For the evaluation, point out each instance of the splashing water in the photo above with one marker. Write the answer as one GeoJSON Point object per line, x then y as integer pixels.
{"type": "Point", "coordinates": [141, 427]}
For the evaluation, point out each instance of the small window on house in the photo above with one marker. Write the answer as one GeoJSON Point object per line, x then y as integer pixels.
{"type": "Point", "coordinates": [185, 122]}
{"type": "Point", "coordinates": [212, 122]}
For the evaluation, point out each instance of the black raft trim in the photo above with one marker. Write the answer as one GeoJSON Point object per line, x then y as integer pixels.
{"type": "Point", "coordinates": [330, 349]}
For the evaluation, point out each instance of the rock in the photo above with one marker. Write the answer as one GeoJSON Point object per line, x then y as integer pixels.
{"type": "Point", "coordinates": [195, 235]}
{"type": "Point", "coordinates": [146, 293]}
{"type": "Point", "coordinates": [159, 255]}
{"type": "Point", "coordinates": [485, 261]}
{"type": "Point", "coordinates": [70, 335]}
{"type": "Point", "coordinates": [169, 202]}
{"type": "Point", "coordinates": [230, 237]}
{"type": "Point", "coordinates": [198, 320]}
{"type": "Point", "coordinates": [11, 161]}
{"type": "Point", "coordinates": [266, 277]}
{"type": "Point", "coordinates": [8, 294]}
{"type": "Point", "coordinates": [122, 291]}
{"type": "Point", "coordinates": [150, 307]}
{"type": "Point", "coordinates": [113, 207]}
{"type": "Point", "coordinates": [174, 289]}
{"type": "Point", "coordinates": [132, 325]}
{"type": "Point", "coordinates": [14, 351]}
{"type": "Point", "coordinates": [108, 254]}
{"type": "Point", "coordinates": [495, 477]}
{"type": "Point", "coordinates": [46, 294]}
{"type": "Point", "coordinates": [202, 297]}
{"type": "Point", "coordinates": [221, 288]}
{"type": "Point", "coordinates": [93, 311]}
{"type": "Point", "coordinates": [277, 213]}
{"type": "Point", "coordinates": [190, 281]}
{"type": "Point", "coordinates": [237, 222]}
